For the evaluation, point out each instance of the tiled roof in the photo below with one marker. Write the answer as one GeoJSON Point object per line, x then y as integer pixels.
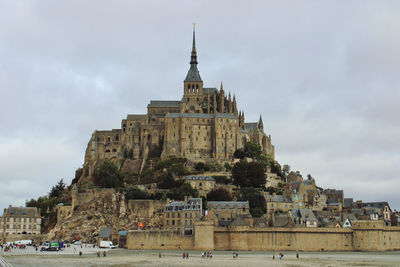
{"type": "Point", "coordinates": [164, 104]}
{"type": "Point", "coordinates": [278, 198]}
{"type": "Point", "coordinates": [209, 90]}
{"type": "Point", "coordinates": [22, 211]}
{"type": "Point", "coordinates": [251, 125]}
{"type": "Point", "coordinates": [199, 178]}
{"type": "Point", "coordinates": [190, 115]}
{"type": "Point", "coordinates": [229, 204]}
{"type": "Point", "coordinates": [105, 232]}
{"type": "Point", "coordinates": [134, 117]}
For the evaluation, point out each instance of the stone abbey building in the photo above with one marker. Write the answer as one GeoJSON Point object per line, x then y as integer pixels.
{"type": "Point", "coordinates": [204, 124]}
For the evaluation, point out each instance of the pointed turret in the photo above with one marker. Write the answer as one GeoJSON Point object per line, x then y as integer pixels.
{"type": "Point", "coordinates": [260, 124]}
{"type": "Point", "coordinates": [229, 103]}
{"type": "Point", "coordinates": [221, 99]}
{"type": "Point", "coordinates": [234, 106]}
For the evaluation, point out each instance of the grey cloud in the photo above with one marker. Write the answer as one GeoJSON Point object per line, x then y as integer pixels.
{"type": "Point", "coordinates": [322, 74]}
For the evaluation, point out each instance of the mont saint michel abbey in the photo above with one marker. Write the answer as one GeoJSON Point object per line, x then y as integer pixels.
{"type": "Point", "coordinates": [204, 124]}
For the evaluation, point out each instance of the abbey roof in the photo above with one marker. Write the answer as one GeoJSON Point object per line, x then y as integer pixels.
{"type": "Point", "coordinates": [164, 104]}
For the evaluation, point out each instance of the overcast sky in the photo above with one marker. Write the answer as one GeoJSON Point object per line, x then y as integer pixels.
{"type": "Point", "coordinates": [323, 74]}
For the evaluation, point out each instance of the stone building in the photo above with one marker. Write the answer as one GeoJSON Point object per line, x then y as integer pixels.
{"type": "Point", "coordinates": [204, 184]}
{"type": "Point", "coordinates": [278, 203]}
{"type": "Point", "coordinates": [21, 220]}
{"type": "Point", "coordinates": [227, 211]}
{"type": "Point", "coordinates": [181, 215]}
{"type": "Point", "coordinates": [205, 123]}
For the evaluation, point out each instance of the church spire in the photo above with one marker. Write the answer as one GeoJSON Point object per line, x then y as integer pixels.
{"type": "Point", "coordinates": [260, 124]}
{"type": "Point", "coordinates": [193, 73]}
{"type": "Point", "coordinates": [193, 59]}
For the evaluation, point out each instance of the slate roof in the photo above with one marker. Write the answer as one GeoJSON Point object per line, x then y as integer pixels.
{"type": "Point", "coordinates": [209, 90]}
{"type": "Point", "coordinates": [225, 116]}
{"type": "Point", "coordinates": [199, 178]}
{"type": "Point", "coordinates": [192, 204]}
{"type": "Point", "coordinates": [190, 115]}
{"type": "Point", "coordinates": [281, 220]}
{"type": "Point", "coordinates": [380, 205]}
{"type": "Point", "coordinates": [278, 198]}
{"type": "Point", "coordinates": [193, 74]}
{"type": "Point", "coordinates": [229, 204]}
{"type": "Point", "coordinates": [251, 125]}
{"type": "Point", "coordinates": [105, 232]}
{"type": "Point", "coordinates": [135, 117]}
{"type": "Point", "coordinates": [348, 202]}
{"type": "Point", "coordinates": [164, 104]}
{"type": "Point", "coordinates": [22, 211]}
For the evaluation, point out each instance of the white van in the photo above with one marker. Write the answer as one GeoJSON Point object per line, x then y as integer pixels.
{"type": "Point", "coordinates": [106, 244]}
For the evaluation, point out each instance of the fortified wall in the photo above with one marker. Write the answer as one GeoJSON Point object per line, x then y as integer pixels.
{"type": "Point", "coordinates": [364, 236]}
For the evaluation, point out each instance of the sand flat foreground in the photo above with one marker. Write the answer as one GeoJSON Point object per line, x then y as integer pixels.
{"type": "Point", "coordinates": [122, 258]}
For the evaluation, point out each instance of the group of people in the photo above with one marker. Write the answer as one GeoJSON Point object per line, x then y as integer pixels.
{"type": "Point", "coordinates": [207, 254]}
{"type": "Point", "coordinates": [235, 255]}
{"type": "Point", "coordinates": [281, 256]}
{"type": "Point", "coordinates": [185, 255]}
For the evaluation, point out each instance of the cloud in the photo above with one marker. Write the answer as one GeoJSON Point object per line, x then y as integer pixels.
{"type": "Point", "coordinates": [323, 76]}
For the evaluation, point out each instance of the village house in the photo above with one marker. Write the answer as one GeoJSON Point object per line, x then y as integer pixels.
{"type": "Point", "coordinates": [278, 203]}
{"type": "Point", "coordinates": [181, 215]}
{"type": "Point", "coordinates": [204, 184]}
{"type": "Point", "coordinates": [303, 218]}
{"type": "Point", "coordinates": [21, 220]}
{"type": "Point", "coordinates": [228, 211]}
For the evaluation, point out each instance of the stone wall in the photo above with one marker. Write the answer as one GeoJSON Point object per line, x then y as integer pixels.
{"type": "Point", "coordinates": [158, 239]}
{"type": "Point", "coordinates": [364, 236]}
{"type": "Point", "coordinates": [146, 208]}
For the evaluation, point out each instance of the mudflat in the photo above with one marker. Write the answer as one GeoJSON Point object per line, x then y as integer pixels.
{"type": "Point", "coordinates": [121, 258]}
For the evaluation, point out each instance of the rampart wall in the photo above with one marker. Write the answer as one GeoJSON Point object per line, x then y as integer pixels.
{"type": "Point", "coordinates": [364, 236]}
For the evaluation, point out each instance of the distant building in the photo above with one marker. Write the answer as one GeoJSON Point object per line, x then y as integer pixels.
{"type": "Point", "coordinates": [181, 215]}
{"type": "Point", "coordinates": [384, 207]}
{"type": "Point", "coordinates": [21, 220]}
{"type": "Point", "coordinates": [278, 203]}
{"type": "Point", "coordinates": [304, 218]}
{"type": "Point", "coordinates": [228, 211]}
{"type": "Point", "coordinates": [204, 184]}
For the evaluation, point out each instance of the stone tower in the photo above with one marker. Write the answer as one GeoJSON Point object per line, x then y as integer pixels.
{"type": "Point", "coordinates": [193, 84]}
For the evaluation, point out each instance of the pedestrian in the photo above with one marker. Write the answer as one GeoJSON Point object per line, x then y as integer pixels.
{"type": "Point", "coordinates": [80, 253]}
{"type": "Point", "coordinates": [98, 253]}
{"type": "Point", "coordinates": [273, 257]}
{"type": "Point", "coordinates": [210, 255]}
{"type": "Point", "coordinates": [297, 255]}
{"type": "Point", "coordinates": [187, 255]}
{"type": "Point", "coordinates": [183, 255]}
{"type": "Point", "coordinates": [104, 254]}
{"type": "Point", "coordinates": [159, 255]}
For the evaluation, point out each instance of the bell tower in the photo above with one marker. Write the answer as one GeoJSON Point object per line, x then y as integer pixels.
{"type": "Point", "coordinates": [193, 84]}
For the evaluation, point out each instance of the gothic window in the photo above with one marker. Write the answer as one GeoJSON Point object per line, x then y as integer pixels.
{"type": "Point", "coordinates": [197, 87]}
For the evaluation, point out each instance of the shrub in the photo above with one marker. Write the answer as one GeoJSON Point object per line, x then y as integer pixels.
{"type": "Point", "coordinates": [107, 175]}
{"type": "Point", "coordinates": [135, 193]}
{"type": "Point", "coordinates": [167, 181]}
{"type": "Point", "coordinates": [258, 205]}
{"type": "Point", "coordinates": [200, 166]}
{"type": "Point", "coordinates": [221, 179]}
{"type": "Point", "coordinates": [219, 194]}
{"type": "Point", "coordinates": [248, 174]}
{"type": "Point", "coordinates": [227, 166]}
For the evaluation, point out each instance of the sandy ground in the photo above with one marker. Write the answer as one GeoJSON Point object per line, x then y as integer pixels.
{"type": "Point", "coordinates": [122, 258]}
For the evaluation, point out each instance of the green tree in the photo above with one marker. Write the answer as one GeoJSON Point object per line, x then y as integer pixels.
{"type": "Point", "coordinates": [253, 150]}
{"type": "Point", "coordinates": [200, 166]}
{"type": "Point", "coordinates": [108, 175]}
{"type": "Point", "coordinates": [179, 193]}
{"type": "Point", "coordinates": [258, 205]}
{"type": "Point", "coordinates": [167, 181]}
{"type": "Point", "coordinates": [248, 174]}
{"type": "Point", "coordinates": [239, 154]}
{"type": "Point", "coordinates": [58, 189]}
{"type": "Point", "coordinates": [134, 193]}
{"type": "Point", "coordinates": [285, 171]}
{"type": "Point", "coordinates": [227, 166]}
{"type": "Point", "coordinates": [219, 194]}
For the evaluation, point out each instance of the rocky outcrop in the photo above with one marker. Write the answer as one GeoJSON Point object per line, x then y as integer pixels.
{"type": "Point", "coordinates": [96, 209]}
